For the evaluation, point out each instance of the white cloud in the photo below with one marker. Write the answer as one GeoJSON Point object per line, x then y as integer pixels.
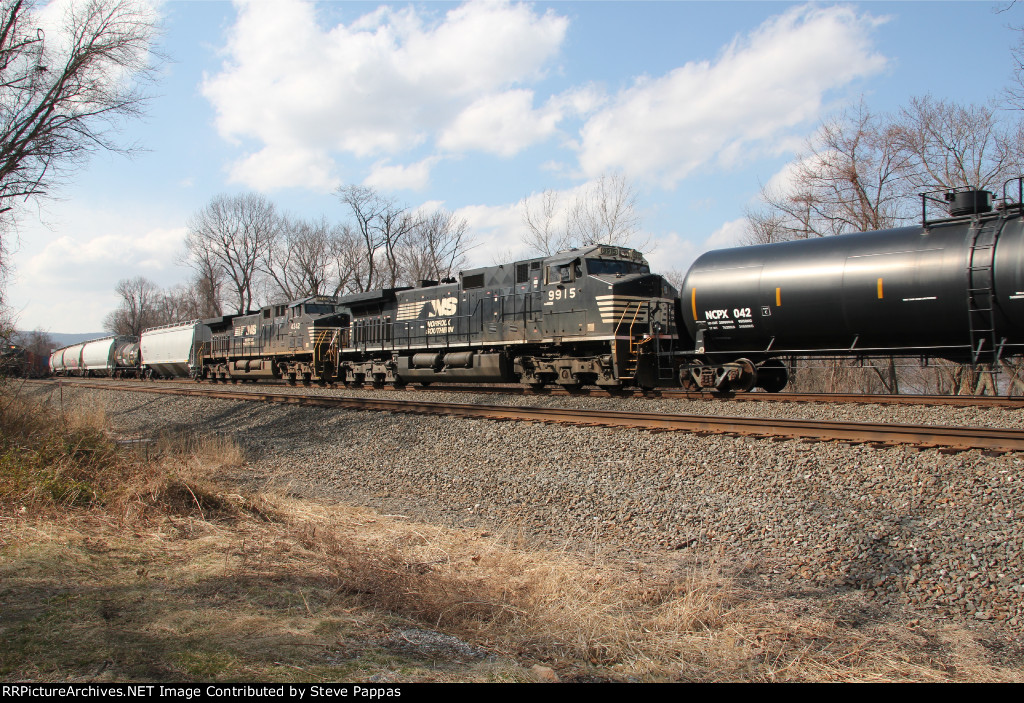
{"type": "Point", "coordinates": [507, 123]}
{"type": "Point", "coordinates": [279, 166]}
{"type": "Point", "coordinates": [389, 81]}
{"type": "Point", "coordinates": [497, 231]}
{"type": "Point", "coordinates": [670, 251]}
{"type": "Point", "coordinates": [503, 124]}
{"type": "Point", "coordinates": [65, 274]}
{"type": "Point", "coordinates": [412, 177]}
{"type": "Point", "coordinates": [97, 263]}
{"type": "Point", "coordinates": [774, 80]}
{"type": "Point", "coordinates": [727, 236]}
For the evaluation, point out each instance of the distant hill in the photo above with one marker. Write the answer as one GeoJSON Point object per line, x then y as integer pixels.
{"type": "Point", "coordinates": [63, 340]}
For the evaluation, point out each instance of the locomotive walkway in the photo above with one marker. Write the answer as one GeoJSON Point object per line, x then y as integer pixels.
{"type": "Point", "coordinates": [987, 439]}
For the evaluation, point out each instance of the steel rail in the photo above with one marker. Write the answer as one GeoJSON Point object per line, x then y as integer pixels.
{"type": "Point", "coordinates": [959, 438]}
{"type": "Point", "coordinates": [987, 401]}
{"type": "Point", "coordinates": [998, 401]}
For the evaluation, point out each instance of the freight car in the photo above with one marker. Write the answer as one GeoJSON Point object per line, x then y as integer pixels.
{"type": "Point", "coordinates": [115, 356]}
{"type": "Point", "coordinates": [951, 287]}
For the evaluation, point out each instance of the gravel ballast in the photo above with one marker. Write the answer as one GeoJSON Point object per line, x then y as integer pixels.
{"type": "Point", "coordinates": [937, 534]}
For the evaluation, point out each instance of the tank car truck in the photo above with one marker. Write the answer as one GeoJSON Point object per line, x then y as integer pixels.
{"type": "Point", "coordinates": [594, 315]}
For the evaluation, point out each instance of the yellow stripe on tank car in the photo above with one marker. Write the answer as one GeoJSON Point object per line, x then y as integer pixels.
{"type": "Point", "coordinates": [778, 297]}
{"type": "Point", "coordinates": [693, 303]}
{"type": "Point", "coordinates": [879, 288]}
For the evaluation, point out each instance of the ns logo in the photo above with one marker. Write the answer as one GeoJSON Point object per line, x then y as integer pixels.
{"type": "Point", "coordinates": [444, 307]}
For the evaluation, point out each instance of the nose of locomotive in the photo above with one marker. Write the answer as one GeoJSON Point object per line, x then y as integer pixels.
{"type": "Point", "coordinates": [647, 285]}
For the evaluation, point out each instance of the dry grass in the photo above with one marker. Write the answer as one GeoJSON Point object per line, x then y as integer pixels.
{"type": "Point", "coordinates": [151, 570]}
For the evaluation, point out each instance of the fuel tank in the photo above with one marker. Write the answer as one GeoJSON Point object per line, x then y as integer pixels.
{"type": "Point", "coordinates": [944, 290]}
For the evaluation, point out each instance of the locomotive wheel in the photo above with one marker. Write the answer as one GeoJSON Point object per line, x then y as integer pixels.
{"type": "Point", "coordinates": [772, 376]}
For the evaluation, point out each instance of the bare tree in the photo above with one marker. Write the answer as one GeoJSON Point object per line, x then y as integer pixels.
{"type": "Point", "coordinates": [366, 206]}
{"type": "Point", "coordinates": [859, 169]}
{"type": "Point", "coordinates": [233, 234]}
{"type": "Point", "coordinates": [138, 308]}
{"type": "Point", "coordinates": [64, 96]}
{"type": "Point", "coordinates": [299, 259]}
{"type": "Point", "coordinates": [349, 261]}
{"type": "Point", "coordinates": [38, 341]}
{"type": "Point", "coordinates": [208, 285]}
{"type": "Point", "coordinates": [383, 225]}
{"type": "Point", "coordinates": [436, 248]}
{"type": "Point", "coordinates": [948, 145]}
{"type": "Point", "coordinates": [604, 212]}
{"type": "Point", "coordinates": [544, 218]}
{"type": "Point", "coordinates": [851, 178]}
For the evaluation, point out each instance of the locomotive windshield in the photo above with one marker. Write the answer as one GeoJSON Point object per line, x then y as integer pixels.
{"type": "Point", "coordinates": [319, 309]}
{"type": "Point", "coordinates": [604, 267]}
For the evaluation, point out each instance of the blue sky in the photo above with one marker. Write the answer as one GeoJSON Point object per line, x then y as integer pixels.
{"type": "Point", "coordinates": [477, 106]}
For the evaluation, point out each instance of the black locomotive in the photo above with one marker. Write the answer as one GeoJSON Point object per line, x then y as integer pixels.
{"type": "Point", "coordinates": [586, 316]}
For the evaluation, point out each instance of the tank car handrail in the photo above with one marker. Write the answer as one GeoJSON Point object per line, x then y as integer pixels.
{"type": "Point", "coordinates": [1020, 192]}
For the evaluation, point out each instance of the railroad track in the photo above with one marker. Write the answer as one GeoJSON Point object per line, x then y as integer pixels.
{"type": "Point", "coordinates": [980, 401]}
{"type": "Point", "coordinates": [988, 439]}
{"type": "Point", "coordinates": [860, 398]}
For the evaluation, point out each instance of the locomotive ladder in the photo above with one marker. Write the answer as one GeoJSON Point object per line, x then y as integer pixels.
{"type": "Point", "coordinates": [633, 361]}
{"type": "Point", "coordinates": [981, 288]}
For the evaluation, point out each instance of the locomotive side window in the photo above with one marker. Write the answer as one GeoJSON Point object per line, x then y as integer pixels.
{"type": "Point", "coordinates": [560, 273]}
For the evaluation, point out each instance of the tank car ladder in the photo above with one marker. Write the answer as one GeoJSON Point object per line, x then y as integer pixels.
{"type": "Point", "coordinates": [981, 288]}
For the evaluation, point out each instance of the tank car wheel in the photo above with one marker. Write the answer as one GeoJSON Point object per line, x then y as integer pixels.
{"type": "Point", "coordinates": [424, 384]}
{"type": "Point", "coordinates": [772, 376]}
{"type": "Point", "coordinates": [306, 379]}
{"type": "Point", "coordinates": [290, 379]}
{"type": "Point", "coordinates": [746, 379]}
